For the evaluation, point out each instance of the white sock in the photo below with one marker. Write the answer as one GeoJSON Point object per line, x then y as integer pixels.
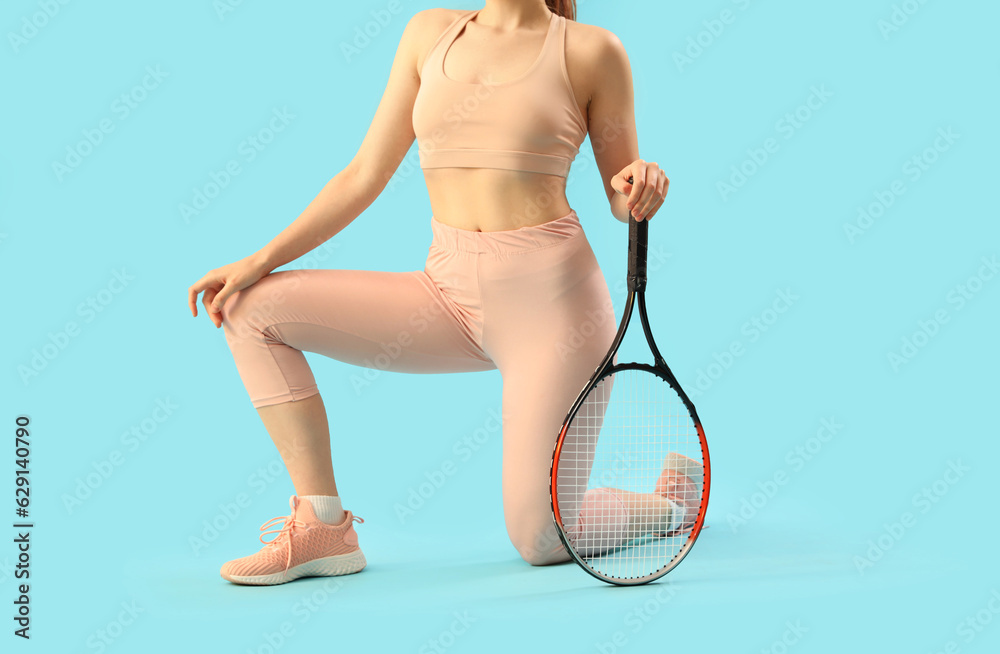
{"type": "Point", "coordinates": [327, 508]}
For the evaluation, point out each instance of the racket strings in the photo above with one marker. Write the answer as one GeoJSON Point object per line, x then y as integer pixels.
{"type": "Point", "coordinates": [629, 484]}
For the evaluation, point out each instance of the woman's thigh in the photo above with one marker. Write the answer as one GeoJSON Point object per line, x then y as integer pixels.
{"type": "Point", "coordinates": [396, 321]}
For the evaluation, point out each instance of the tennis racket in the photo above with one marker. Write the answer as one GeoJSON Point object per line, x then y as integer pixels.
{"type": "Point", "coordinates": [630, 471]}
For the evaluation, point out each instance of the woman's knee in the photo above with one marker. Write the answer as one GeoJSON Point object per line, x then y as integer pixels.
{"type": "Point", "coordinates": [255, 306]}
{"type": "Point", "coordinates": [537, 541]}
{"type": "Point", "coordinates": [542, 551]}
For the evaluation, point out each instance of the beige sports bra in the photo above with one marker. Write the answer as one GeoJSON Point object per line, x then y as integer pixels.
{"type": "Point", "coordinates": [532, 123]}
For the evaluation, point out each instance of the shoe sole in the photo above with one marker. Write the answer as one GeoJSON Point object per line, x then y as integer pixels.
{"type": "Point", "coordinates": [330, 566]}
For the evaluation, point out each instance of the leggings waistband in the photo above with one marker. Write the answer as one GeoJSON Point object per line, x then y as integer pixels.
{"type": "Point", "coordinates": [508, 240]}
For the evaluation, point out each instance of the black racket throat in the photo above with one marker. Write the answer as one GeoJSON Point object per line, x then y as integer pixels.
{"type": "Point", "coordinates": [638, 246]}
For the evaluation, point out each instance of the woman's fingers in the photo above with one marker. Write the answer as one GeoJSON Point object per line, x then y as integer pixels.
{"type": "Point", "coordinates": [622, 182]}
{"type": "Point", "coordinates": [658, 195]}
{"type": "Point", "coordinates": [638, 185]}
{"type": "Point", "coordinates": [651, 197]}
{"type": "Point", "coordinates": [193, 291]}
{"type": "Point", "coordinates": [207, 300]}
{"type": "Point", "coordinates": [223, 294]}
{"type": "Point", "coordinates": [219, 285]}
{"type": "Point", "coordinates": [208, 281]}
{"type": "Point", "coordinates": [646, 187]}
{"type": "Point", "coordinates": [664, 187]}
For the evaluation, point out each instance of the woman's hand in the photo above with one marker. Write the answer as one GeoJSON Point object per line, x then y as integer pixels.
{"type": "Point", "coordinates": [645, 185]}
{"type": "Point", "coordinates": [222, 282]}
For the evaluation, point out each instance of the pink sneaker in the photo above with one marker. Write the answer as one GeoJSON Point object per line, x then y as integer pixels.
{"type": "Point", "coordinates": [304, 547]}
{"type": "Point", "coordinates": [681, 482]}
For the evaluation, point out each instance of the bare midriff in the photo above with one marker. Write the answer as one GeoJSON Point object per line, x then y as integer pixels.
{"type": "Point", "coordinates": [492, 200]}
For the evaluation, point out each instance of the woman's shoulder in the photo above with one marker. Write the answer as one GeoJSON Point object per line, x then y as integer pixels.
{"type": "Point", "coordinates": [591, 41]}
{"type": "Point", "coordinates": [431, 22]}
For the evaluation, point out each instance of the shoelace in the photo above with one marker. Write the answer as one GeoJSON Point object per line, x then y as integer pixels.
{"type": "Point", "coordinates": [285, 532]}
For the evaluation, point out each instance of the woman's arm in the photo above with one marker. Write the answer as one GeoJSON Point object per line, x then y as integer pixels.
{"type": "Point", "coordinates": [611, 123]}
{"type": "Point", "coordinates": [352, 190]}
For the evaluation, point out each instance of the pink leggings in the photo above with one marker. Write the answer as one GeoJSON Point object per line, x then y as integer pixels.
{"type": "Point", "coordinates": [530, 302]}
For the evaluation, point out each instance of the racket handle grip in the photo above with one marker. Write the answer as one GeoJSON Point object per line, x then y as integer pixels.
{"type": "Point", "coordinates": [638, 240]}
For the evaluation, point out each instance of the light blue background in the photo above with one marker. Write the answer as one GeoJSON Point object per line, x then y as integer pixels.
{"type": "Point", "coordinates": [793, 570]}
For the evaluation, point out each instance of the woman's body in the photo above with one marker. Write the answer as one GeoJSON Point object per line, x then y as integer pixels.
{"type": "Point", "coordinates": [482, 55]}
{"type": "Point", "coordinates": [507, 250]}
